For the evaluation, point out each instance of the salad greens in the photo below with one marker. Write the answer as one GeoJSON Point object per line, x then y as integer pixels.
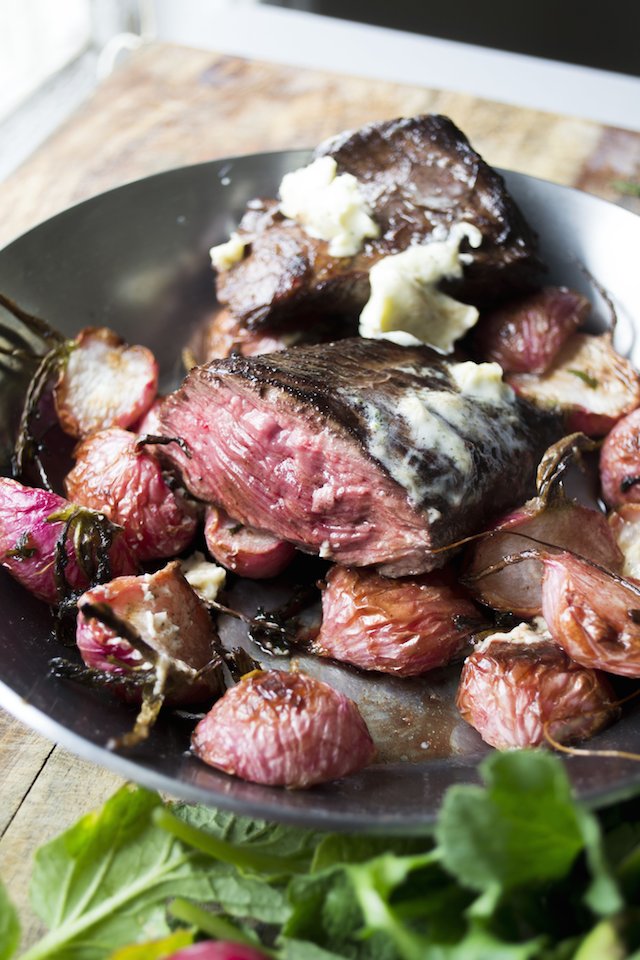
{"type": "Point", "coordinates": [514, 870]}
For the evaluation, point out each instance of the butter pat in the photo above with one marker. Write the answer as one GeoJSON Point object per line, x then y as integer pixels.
{"type": "Point", "coordinates": [405, 305]}
{"type": "Point", "coordinates": [328, 207]}
{"type": "Point", "coordinates": [527, 634]}
{"type": "Point", "coordinates": [226, 254]}
{"type": "Point", "coordinates": [481, 380]}
{"type": "Point", "coordinates": [207, 579]}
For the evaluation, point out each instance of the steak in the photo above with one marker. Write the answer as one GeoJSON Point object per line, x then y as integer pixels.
{"type": "Point", "coordinates": [363, 451]}
{"type": "Point", "coordinates": [419, 177]}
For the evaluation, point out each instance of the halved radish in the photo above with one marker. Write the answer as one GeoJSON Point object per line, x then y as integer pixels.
{"type": "Point", "coordinates": [620, 462]}
{"type": "Point", "coordinates": [55, 548]}
{"type": "Point", "coordinates": [589, 382]}
{"type": "Point", "coordinates": [104, 383]}
{"type": "Point", "coordinates": [593, 615]}
{"type": "Point", "coordinates": [249, 553]}
{"type": "Point", "coordinates": [403, 627]}
{"type": "Point", "coordinates": [284, 729]}
{"type": "Point", "coordinates": [175, 631]}
{"type": "Point", "coordinates": [562, 524]}
{"type": "Point", "coordinates": [125, 481]}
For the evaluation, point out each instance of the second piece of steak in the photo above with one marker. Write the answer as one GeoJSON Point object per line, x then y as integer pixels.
{"type": "Point", "coordinates": [419, 176]}
{"type": "Point", "coordinates": [363, 451]}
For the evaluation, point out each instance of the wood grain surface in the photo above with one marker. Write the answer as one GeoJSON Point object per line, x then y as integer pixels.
{"type": "Point", "coordinates": [169, 107]}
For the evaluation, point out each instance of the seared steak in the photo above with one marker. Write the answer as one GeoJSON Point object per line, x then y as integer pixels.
{"type": "Point", "coordinates": [362, 450]}
{"type": "Point", "coordinates": [419, 176]}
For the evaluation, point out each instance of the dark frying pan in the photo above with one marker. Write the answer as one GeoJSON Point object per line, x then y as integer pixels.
{"type": "Point", "coordinates": [136, 259]}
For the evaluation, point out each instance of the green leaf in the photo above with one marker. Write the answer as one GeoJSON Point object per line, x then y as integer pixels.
{"type": "Point", "coordinates": [480, 944]}
{"type": "Point", "coordinates": [414, 903]}
{"type": "Point", "coordinates": [104, 883]}
{"type": "Point", "coordinates": [325, 909]}
{"type": "Point", "coordinates": [9, 926]}
{"type": "Point", "coordinates": [251, 846]}
{"type": "Point", "coordinates": [344, 848]}
{"type": "Point", "coordinates": [303, 950]}
{"type": "Point", "coordinates": [269, 839]}
{"type": "Point", "coordinates": [602, 943]}
{"type": "Point", "coordinates": [374, 884]}
{"type": "Point", "coordinates": [211, 923]}
{"type": "Point", "coordinates": [522, 829]}
{"type": "Point", "coordinates": [603, 895]}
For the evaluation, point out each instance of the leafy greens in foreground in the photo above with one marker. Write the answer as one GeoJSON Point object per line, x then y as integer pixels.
{"type": "Point", "coordinates": [516, 870]}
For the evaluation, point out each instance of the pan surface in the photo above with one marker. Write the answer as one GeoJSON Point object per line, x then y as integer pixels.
{"type": "Point", "coordinates": [136, 259]}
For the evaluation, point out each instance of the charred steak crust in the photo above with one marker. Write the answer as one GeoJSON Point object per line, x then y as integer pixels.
{"type": "Point", "coordinates": [287, 277]}
{"type": "Point", "coordinates": [424, 170]}
{"type": "Point", "coordinates": [338, 379]}
{"type": "Point", "coordinates": [420, 176]}
{"type": "Point", "coordinates": [440, 477]}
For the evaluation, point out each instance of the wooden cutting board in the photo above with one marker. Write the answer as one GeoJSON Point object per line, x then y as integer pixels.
{"type": "Point", "coordinates": [171, 106]}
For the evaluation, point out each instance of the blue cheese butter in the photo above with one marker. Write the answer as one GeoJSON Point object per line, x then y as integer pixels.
{"type": "Point", "coordinates": [328, 206]}
{"type": "Point", "coordinates": [405, 304]}
{"type": "Point", "coordinates": [224, 255]}
{"type": "Point", "coordinates": [481, 380]}
{"type": "Point", "coordinates": [206, 578]}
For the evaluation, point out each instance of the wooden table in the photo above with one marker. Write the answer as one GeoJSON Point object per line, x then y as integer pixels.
{"type": "Point", "coordinates": [171, 106]}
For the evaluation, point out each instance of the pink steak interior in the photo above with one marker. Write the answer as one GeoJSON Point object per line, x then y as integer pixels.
{"type": "Point", "coordinates": [279, 466]}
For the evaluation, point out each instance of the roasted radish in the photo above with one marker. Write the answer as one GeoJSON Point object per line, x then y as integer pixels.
{"type": "Point", "coordinates": [560, 524]}
{"type": "Point", "coordinates": [247, 552]}
{"type": "Point", "coordinates": [517, 686]}
{"type": "Point", "coordinates": [620, 462]}
{"type": "Point", "coordinates": [593, 615]}
{"type": "Point", "coordinates": [116, 474]}
{"type": "Point", "coordinates": [525, 335]}
{"type": "Point", "coordinates": [150, 626]}
{"type": "Point", "coordinates": [225, 335]}
{"type": "Point", "coordinates": [53, 547]}
{"type": "Point", "coordinates": [588, 382]}
{"type": "Point", "coordinates": [104, 383]}
{"type": "Point", "coordinates": [405, 627]}
{"type": "Point", "coordinates": [284, 729]}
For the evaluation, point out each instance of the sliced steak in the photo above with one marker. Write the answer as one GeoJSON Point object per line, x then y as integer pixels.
{"type": "Point", "coordinates": [419, 177]}
{"type": "Point", "coordinates": [363, 450]}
